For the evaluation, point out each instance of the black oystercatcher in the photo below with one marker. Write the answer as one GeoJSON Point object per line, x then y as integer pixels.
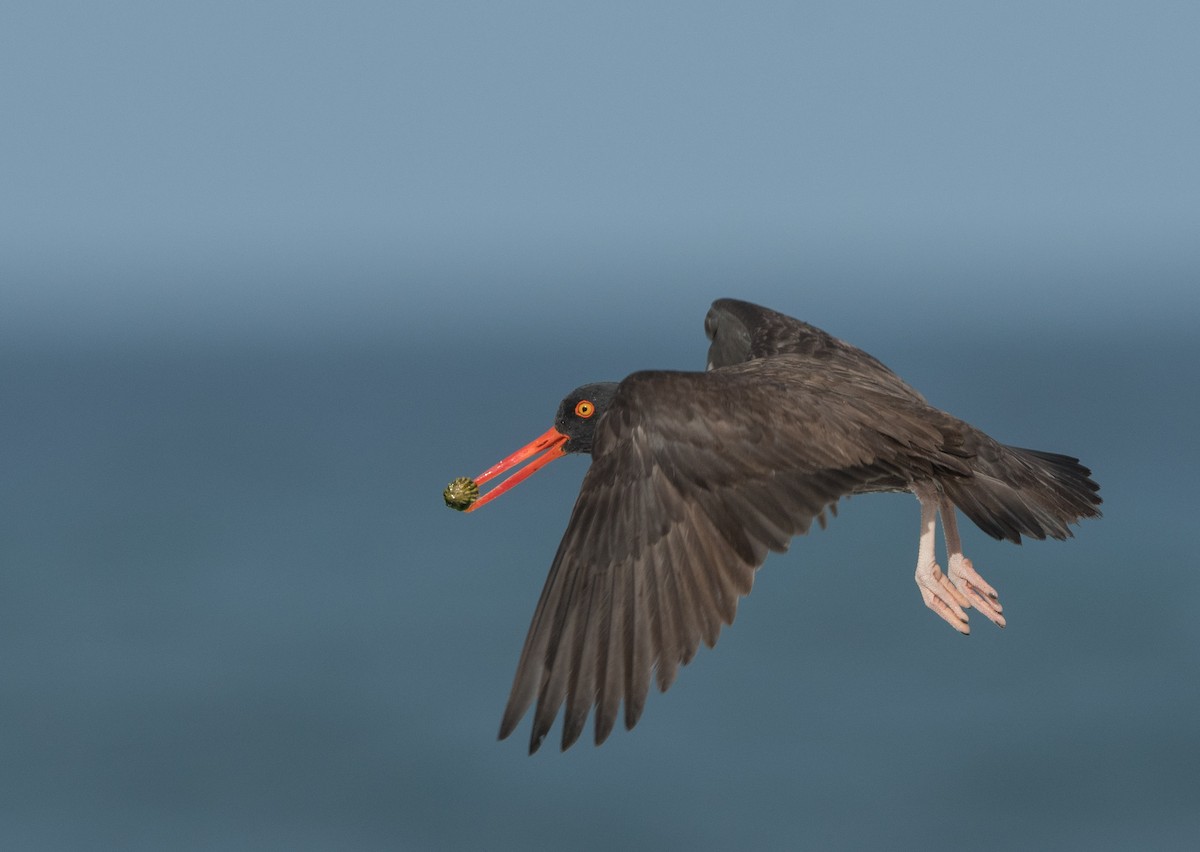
{"type": "Point", "coordinates": [696, 476]}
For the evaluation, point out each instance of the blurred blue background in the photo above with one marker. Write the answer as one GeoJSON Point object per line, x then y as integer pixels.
{"type": "Point", "coordinates": [272, 273]}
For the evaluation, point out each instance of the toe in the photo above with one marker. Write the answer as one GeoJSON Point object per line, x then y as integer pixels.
{"type": "Point", "coordinates": [977, 590]}
{"type": "Point", "coordinates": [940, 596]}
{"type": "Point", "coordinates": [954, 594]}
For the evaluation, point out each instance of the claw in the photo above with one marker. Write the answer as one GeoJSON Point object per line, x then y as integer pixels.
{"type": "Point", "coordinates": [977, 590]}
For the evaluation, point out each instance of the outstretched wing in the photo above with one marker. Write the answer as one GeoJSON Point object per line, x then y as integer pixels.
{"type": "Point", "coordinates": [695, 477]}
{"type": "Point", "coordinates": [742, 331]}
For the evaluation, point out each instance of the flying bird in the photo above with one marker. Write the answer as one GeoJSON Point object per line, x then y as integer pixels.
{"type": "Point", "coordinates": [695, 476]}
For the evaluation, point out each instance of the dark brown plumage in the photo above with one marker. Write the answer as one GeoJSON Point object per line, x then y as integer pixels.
{"type": "Point", "coordinates": [695, 477]}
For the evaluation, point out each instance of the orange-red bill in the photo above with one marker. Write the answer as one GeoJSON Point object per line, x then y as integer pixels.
{"type": "Point", "coordinates": [551, 442]}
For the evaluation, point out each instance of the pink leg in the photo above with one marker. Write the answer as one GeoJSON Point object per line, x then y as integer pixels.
{"type": "Point", "coordinates": [937, 591]}
{"type": "Point", "coordinates": [962, 573]}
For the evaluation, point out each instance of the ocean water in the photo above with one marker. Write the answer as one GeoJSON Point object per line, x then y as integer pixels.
{"type": "Point", "coordinates": [235, 615]}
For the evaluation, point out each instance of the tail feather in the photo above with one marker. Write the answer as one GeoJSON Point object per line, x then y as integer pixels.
{"type": "Point", "coordinates": [1015, 492]}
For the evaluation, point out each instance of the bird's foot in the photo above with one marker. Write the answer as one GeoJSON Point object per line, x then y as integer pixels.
{"type": "Point", "coordinates": [942, 597]}
{"type": "Point", "coordinates": [975, 589]}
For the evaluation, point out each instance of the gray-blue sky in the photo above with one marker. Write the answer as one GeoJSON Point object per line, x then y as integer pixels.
{"type": "Point", "coordinates": [235, 611]}
{"type": "Point", "coordinates": [276, 163]}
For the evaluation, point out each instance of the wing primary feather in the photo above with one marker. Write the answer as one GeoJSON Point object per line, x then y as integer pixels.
{"type": "Point", "coordinates": [689, 618]}
{"type": "Point", "coordinates": [532, 661]}
{"type": "Point", "coordinates": [715, 570]}
{"type": "Point", "coordinates": [642, 658]}
{"type": "Point", "coordinates": [613, 672]}
{"type": "Point", "coordinates": [629, 647]}
{"type": "Point", "coordinates": [603, 640]}
{"type": "Point", "coordinates": [581, 688]}
{"type": "Point", "coordinates": [558, 648]}
{"type": "Point", "coordinates": [668, 653]}
{"type": "Point", "coordinates": [702, 552]}
{"type": "Point", "coordinates": [645, 566]}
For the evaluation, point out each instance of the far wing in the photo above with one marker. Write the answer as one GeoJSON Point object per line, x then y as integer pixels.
{"type": "Point", "coordinates": [742, 331]}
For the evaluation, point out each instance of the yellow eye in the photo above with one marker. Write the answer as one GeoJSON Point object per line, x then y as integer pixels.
{"type": "Point", "coordinates": [584, 408]}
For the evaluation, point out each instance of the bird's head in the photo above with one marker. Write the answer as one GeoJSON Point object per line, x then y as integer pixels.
{"type": "Point", "coordinates": [574, 431]}
{"type": "Point", "coordinates": [580, 411]}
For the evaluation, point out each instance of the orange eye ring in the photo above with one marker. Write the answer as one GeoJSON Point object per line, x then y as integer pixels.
{"type": "Point", "coordinates": [584, 409]}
